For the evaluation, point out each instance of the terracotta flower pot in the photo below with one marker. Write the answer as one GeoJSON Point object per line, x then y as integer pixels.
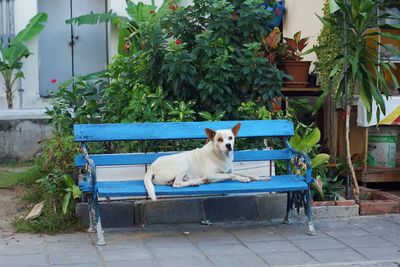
{"type": "Point", "coordinates": [298, 70]}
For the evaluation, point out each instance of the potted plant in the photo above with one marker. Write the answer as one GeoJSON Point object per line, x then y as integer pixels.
{"type": "Point", "coordinates": [292, 62]}
{"type": "Point", "coordinates": [273, 49]}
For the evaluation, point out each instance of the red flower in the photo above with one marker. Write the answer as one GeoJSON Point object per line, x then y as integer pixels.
{"type": "Point", "coordinates": [178, 41]}
{"type": "Point", "coordinates": [126, 47]}
{"type": "Point", "coordinates": [53, 81]}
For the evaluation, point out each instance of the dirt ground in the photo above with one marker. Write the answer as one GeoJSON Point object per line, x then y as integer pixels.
{"type": "Point", "coordinates": [9, 207]}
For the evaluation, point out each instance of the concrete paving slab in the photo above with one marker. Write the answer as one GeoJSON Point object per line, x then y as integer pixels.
{"type": "Point", "coordinates": [213, 238]}
{"type": "Point", "coordinates": [171, 251]}
{"type": "Point", "coordinates": [225, 250]}
{"type": "Point", "coordinates": [22, 249]}
{"type": "Point", "coordinates": [366, 241]}
{"type": "Point", "coordinates": [220, 244]}
{"type": "Point", "coordinates": [385, 253]}
{"type": "Point", "coordinates": [136, 263]}
{"type": "Point", "coordinates": [70, 256]}
{"type": "Point", "coordinates": [243, 260]}
{"type": "Point", "coordinates": [199, 261]}
{"type": "Point", "coordinates": [288, 258]}
{"type": "Point", "coordinates": [161, 241]}
{"type": "Point", "coordinates": [318, 243]}
{"type": "Point", "coordinates": [126, 254]}
{"type": "Point", "coordinates": [258, 234]}
{"type": "Point", "coordinates": [77, 265]}
{"type": "Point", "coordinates": [395, 239]}
{"type": "Point", "coordinates": [272, 246]}
{"type": "Point", "coordinates": [36, 260]}
{"type": "Point", "coordinates": [336, 255]}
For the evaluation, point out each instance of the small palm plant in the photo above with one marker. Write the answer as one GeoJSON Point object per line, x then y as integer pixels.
{"type": "Point", "coordinates": [12, 54]}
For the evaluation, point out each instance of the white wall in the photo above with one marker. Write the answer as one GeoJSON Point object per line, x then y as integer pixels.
{"type": "Point", "coordinates": [300, 15]}
{"type": "Point", "coordinates": [24, 11]}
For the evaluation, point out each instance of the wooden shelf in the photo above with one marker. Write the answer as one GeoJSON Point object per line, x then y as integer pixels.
{"type": "Point", "coordinates": [301, 91]}
{"type": "Point", "coordinates": [379, 175]}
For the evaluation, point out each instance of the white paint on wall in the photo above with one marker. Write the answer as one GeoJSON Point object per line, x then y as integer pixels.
{"type": "Point", "coordinates": [300, 16]}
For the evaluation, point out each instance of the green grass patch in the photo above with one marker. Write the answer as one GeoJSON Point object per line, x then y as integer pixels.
{"type": "Point", "coordinates": [10, 178]}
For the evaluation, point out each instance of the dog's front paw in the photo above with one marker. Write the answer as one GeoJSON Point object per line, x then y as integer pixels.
{"type": "Point", "coordinates": [205, 181]}
{"type": "Point", "coordinates": [244, 179]}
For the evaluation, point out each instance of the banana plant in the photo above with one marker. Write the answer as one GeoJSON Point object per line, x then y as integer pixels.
{"type": "Point", "coordinates": [129, 27]}
{"type": "Point", "coordinates": [12, 54]}
{"type": "Point", "coordinates": [363, 72]}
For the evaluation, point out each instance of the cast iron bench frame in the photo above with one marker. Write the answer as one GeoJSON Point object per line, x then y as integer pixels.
{"type": "Point", "coordinates": [295, 185]}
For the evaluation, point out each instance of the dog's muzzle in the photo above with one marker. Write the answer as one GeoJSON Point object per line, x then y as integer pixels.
{"type": "Point", "coordinates": [229, 147]}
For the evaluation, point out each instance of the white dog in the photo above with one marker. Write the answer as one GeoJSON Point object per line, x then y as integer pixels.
{"type": "Point", "coordinates": [211, 163]}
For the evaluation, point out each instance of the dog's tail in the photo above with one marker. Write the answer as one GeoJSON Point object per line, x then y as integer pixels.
{"type": "Point", "coordinates": [148, 177]}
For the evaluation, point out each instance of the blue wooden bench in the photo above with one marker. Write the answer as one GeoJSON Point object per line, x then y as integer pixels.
{"type": "Point", "coordinates": [295, 185]}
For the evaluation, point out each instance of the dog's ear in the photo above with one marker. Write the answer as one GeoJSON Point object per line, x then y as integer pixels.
{"type": "Point", "coordinates": [210, 133]}
{"type": "Point", "coordinates": [235, 129]}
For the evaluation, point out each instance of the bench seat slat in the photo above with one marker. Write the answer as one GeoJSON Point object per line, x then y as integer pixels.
{"type": "Point", "coordinates": [176, 130]}
{"type": "Point", "coordinates": [141, 158]}
{"type": "Point", "coordinates": [279, 183]}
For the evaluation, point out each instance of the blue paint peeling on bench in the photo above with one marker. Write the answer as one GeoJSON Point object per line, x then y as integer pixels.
{"type": "Point", "coordinates": [279, 183]}
{"type": "Point", "coordinates": [176, 130]}
{"type": "Point", "coordinates": [147, 158]}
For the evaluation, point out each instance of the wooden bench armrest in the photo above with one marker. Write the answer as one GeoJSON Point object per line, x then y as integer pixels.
{"type": "Point", "coordinates": [301, 157]}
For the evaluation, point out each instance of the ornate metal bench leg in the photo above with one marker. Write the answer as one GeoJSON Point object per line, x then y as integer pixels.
{"type": "Point", "coordinates": [311, 229]}
{"type": "Point", "coordinates": [289, 207]}
{"type": "Point", "coordinates": [99, 229]}
{"type": "Point", "coordinates": [92, 216]}
{"type": "Point", "coordinates": [100, 234]}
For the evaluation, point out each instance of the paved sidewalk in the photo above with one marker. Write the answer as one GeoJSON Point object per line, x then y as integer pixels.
{"type": "Point", "coordinates": [358, 241]}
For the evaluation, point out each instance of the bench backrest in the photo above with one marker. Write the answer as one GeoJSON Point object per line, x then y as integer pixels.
{"type": "Point", "coordinates": [178, 130]}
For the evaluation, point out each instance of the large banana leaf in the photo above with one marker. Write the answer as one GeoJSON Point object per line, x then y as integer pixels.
{"type": "Point", "coordinates": [95, 18]}
{"type": "Point", "coordinates": [17, 49]}
{"type": "Point", "coordinates": [34, 27]}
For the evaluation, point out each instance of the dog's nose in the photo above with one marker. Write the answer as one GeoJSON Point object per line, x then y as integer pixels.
{"type": "Point", "coordinates": [229, 147]}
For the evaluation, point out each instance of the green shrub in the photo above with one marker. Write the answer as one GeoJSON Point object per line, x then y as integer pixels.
{"type": "Point", "coordinates": [55, 188]}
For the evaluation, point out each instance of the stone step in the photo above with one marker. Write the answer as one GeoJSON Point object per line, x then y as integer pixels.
{"type": "Point", "coordinates": [269, 206]}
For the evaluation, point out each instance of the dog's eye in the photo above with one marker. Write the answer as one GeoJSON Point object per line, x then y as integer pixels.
{"type": "Point", "coordinates": [220, 140]}
{"type": "Point", "coordinates": [230, 137]}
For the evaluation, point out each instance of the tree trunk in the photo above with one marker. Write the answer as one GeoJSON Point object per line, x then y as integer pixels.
{"type": "Point", "coordinates": [354, 183]}
{"type": "Point", "coordinates": [9, 97]}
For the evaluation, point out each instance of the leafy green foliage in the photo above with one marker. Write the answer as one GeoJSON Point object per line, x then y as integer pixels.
{"type": "Point", "coordinates": [55, 187]}
{"type": "Point", "coordinates": [222, 41]}
{"type": "Point", "coordinates": [12, 55]}
{"type": "Point", "coordinates": [330, 44]}
{"type": "Point", "coordinates": [77, 101]}
{"type": "Point", "coordinates": [362, 63]}
{"type": "Point", "coordinates": [129, 27]}
{"type": "Point", "coordinates": [325, 187]}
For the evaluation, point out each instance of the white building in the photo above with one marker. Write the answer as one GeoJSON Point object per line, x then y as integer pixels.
{"type": "Point", "coordinates": [60, 52]}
